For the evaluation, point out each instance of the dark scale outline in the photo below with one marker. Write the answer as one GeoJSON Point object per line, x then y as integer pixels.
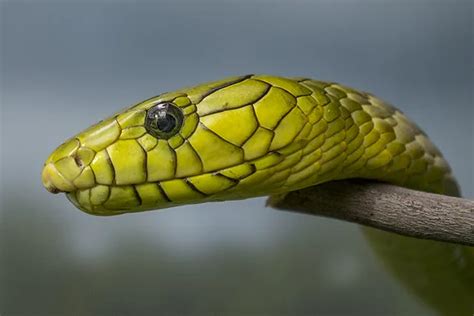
{"type": "Point", "coordinates": [305, 165]}
{"type": "Point", "coordinates": [275, 86]}
{"type": "Point", "coordinates": [309, 175]}
{"type": "Point", "coordinates": [336, 156]}
{"type": "Point", "coordinates": [153, 147]}
{"type": "Point", "coordinates": [267, 147]}
{"type": "Point", "coordinates": [303, 155]}
{"type": "Point", "coordinates": [256, 118]}
{"type": "Point", "coordinates": [242, 158]}
{"type": "Point", "coordinates": [81, 166]}
{"type": "Point", "coordinates": [127, 110]}
{"type": "Point", "coordinates": [325, 139]}
{"type": "Point", "coordinates": [145, 167]}
{"type": "Point", "coordinates": [190, 113]}
{"type": "Point", "coordinates": [343, 166]}
{"type": "Point", "coordinates": [147, 180]}
{"type": "Point", "coordinates": [284, 115]}
{"type": "Point", "coordinates": [311, 96]}
{"type": "Point", "coordinates": [298, 150]}
{"type": "Point", "coordinates": [120, 128]}
{"type": "Point", "coordinates": [134, 137]}
{"type": "Point", "coordinates": [320, 90]}
{"type": "Point", "coordinates": [225, 85]}
{"type": "Point", "coordinates": [254, 113]}
{"type": "Point", "coordinates": [151, 98]}
{"type": "Point", "coordinates": [234, 180]}
{"type": "Point", "coordinates": [175, 159]}
{"type": "Point", "coordinates": [346, 167]}
{"type": "Point", "coordinates": [327, 83]}
{"type": "Point", "coordinates": [279, 121]}
{"type": "Point", "coordinates": [93, 175]}
{"type": "Point", "coordinates": [301, 129]}
{"type": "Point", "coordinates": [195, 126]}
{"type": "Point", "coordinates": [193, 188]}
{"type": "Point", "coordinates": [358, 131]}
{"type": "Point", "coordinates": [219, 136]}
{"type": "Point", "coordinates": [333, 135]}
{"type": "Point", "coordinates": [137, 195]}
{"type": "Point", "coordinates": [336, 86]}
{"type": "Point", "coordinates": [109, 190]}
{"type": "Point", "coordinates": [264, 93]}
{"type": "Point", "coordinates": [141, 145]}
{"type": "Point", "coordinates": [109, 161]}
{"type": "Point", "coordinates": [89, 193]}
{"type": "Point", "coordinates": [269, 87]}
{"type": "Point", "coordinates": [300, 80]}
{"type": "Point", "coordinates": [333, 98]}
{"type": "Point", "coordinates": [352, 140]}
{"type": "Point", "coordinates": [145, 160]}
{"type": "Point", "coordinates": [162, 191]}
{"type": "Point", "coordinates": [354, 162]}
{"type": "Point", "coordinates": [249, 136]}
{"type": "Point", "coordinates": [270, 153]}
{"type": "Point", "coordinates": [182, 107]}
{"type": "Point", "coordinates": [256, 128]}
{"type": "Point", "coordinates": [176, 135]}
{"type": "Point", "coordinates": [195, 154]}
{"type": "Point", "coordinates": [269, 143]}
{"type": "Point", "coordinates": [77, 192]}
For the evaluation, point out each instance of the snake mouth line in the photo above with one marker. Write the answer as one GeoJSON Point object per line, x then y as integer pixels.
{"type": "Point", "coordinates": [101, 199]}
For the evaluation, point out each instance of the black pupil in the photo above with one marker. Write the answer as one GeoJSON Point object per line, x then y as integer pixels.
{"type": "Point", "coordinates": [165, 123]}
{"type": "Point", "coordinates": [163, 120]}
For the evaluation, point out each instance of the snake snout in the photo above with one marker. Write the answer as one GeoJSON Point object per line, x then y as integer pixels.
{"type": "Point", "coordinates": [54, 181]}
{"type": "Point", "coordinates": [68, 168]}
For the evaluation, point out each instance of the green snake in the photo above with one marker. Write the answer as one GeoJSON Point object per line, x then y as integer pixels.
{"type": "Point", "coordinates": [260, 135]}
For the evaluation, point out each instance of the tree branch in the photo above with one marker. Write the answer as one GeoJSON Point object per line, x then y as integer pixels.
{"type": "Point", "coordinates": [388, 207]}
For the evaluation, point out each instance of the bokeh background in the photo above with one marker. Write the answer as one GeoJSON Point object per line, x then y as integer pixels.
{"type": "Point", "coordinates": [65, 65]}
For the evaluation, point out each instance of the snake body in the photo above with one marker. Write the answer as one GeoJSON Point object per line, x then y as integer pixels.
{"type": "Point", "coordinates": [258, 135]}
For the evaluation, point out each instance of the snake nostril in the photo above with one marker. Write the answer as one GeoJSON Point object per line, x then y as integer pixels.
{"type": "Point", "coordinates": [78, 161]}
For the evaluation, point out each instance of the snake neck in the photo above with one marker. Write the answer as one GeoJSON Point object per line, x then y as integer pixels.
{"type": "Point", "coordinates": [353, 134]}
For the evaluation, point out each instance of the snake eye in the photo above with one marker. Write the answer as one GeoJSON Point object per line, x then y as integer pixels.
{"type": "Point", "coordinates": [163, 120]}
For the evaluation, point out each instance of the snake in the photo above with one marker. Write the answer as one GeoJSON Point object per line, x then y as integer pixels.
{"type": "Point", "coordinates": [262, 135]}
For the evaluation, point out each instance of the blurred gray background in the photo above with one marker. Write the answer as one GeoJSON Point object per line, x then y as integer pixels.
{"type": "Point", "coordinates": [65, 65]}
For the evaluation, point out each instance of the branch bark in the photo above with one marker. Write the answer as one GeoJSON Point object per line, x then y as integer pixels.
{"type": "Point", "coordinates": [388, 207]}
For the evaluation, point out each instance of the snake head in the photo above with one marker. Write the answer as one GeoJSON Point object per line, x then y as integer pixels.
{"type": "Point", "coordinates": [229, 139]}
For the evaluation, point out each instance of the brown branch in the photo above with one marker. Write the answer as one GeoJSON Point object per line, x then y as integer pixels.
{"type": "Point", "coordinates": [388, 207]}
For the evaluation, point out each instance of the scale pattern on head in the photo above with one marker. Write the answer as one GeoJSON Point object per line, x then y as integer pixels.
{"type": "Point", "coordinates": [237, 138]}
